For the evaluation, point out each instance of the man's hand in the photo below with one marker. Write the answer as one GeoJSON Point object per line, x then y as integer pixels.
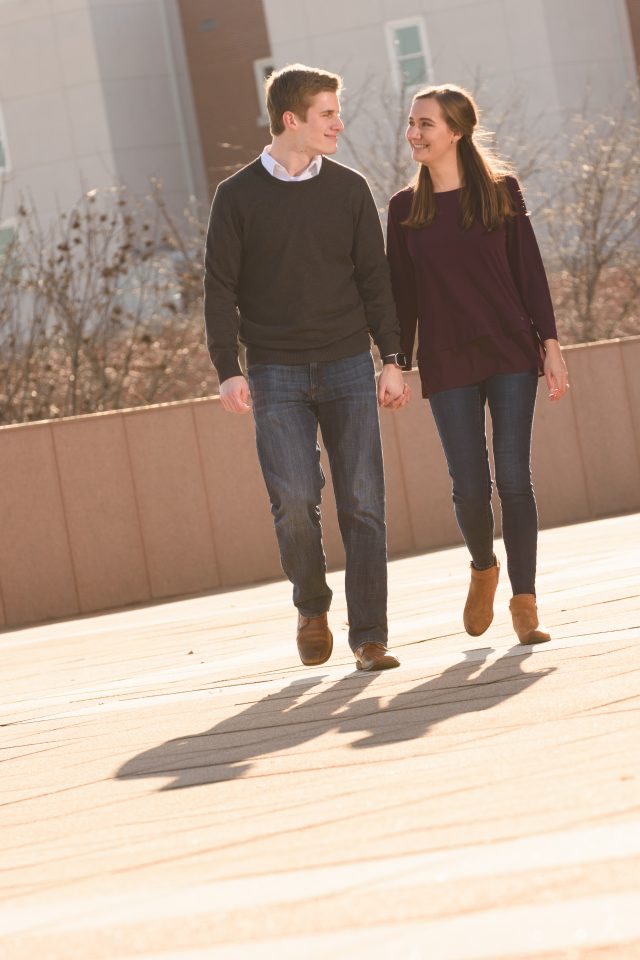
{"type": "Point", "coordinates": [393, 392]}
{"type": "Point", "coordinates": [235, 395]}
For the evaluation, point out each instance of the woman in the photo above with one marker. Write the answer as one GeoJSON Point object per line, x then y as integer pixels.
{"type": "Point", "coordinates": [467, 272]}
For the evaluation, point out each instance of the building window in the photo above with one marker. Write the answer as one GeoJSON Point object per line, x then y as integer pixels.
{"type": "Point", "coordinates": [7, 233]}
{"type": "Point", "coordinates": [408, 51]}
{"type": "Point", "coordinates": [262, 69]}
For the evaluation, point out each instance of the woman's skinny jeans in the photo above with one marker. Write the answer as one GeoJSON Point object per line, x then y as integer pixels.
{"type": "Point", "coordinates": [460, 419]}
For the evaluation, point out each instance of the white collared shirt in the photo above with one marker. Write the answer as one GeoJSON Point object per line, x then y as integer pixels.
{"type": "Point", "coordinates": [277, 170]}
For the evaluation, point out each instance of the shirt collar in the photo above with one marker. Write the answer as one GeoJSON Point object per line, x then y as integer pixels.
{"type": "Point", "coordinates": [277, 170]}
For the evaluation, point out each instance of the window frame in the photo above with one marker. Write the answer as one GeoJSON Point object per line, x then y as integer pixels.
{"type": "Point", "coordinates": [396, 71]}
{"type": "Point", "coordinates": [259, 67]}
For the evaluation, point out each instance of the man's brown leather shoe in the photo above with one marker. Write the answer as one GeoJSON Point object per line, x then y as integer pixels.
{"type": "Point", "coordinates": [373, 656]}
{"type": "Point", "coordinates": [315, 640]}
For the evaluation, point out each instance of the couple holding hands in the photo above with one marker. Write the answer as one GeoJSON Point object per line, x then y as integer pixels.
{"type": "Point", "coordinates": [295, 270]}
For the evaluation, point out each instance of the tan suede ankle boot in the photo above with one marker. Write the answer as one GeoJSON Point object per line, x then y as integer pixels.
{"type": "Point", "coordinates": [478, 610]}
{"type": "Point", "coordinates": [524, 614]}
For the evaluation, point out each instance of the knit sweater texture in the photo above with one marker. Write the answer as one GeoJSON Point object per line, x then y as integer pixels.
{"type": "Point", "coordinates": [296, 270]}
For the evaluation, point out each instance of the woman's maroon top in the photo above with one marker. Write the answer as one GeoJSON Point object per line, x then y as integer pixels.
{"type": "Point", "coordinates": [479, 299]}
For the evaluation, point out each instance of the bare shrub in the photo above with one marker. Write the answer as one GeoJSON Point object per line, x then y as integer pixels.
{"type": "Point", "coordinates": [102, 310]}
{"type": "Point", "coordinates": [374, 135]}
{"type": "Point", "coordinates": [593, 227]}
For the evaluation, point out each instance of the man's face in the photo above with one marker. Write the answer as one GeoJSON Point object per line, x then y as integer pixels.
{"type": "Point", "coordinates": [318, 132]}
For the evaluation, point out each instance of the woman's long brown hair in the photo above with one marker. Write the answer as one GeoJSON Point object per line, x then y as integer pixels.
{"type": "Point", "coordinates": [485, 196]}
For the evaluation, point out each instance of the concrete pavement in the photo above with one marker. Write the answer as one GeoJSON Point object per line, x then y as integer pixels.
{"type": "Point", "coordinates": [176, 785]}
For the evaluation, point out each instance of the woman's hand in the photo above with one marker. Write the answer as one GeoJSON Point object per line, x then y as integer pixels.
{"type": "Point", "coordinates": [555, 370]}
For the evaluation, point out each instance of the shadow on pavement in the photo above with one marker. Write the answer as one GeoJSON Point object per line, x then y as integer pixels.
{"type": "Point", "coordinates": [277, 723]}
{"type": "Point", "coordinates": [466, 687]}
{"type": "Point", "coordinates": [284, 720]}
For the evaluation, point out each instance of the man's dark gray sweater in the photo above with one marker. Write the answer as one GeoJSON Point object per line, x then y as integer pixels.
{"type": "Point", "coordinates": [296, 270]}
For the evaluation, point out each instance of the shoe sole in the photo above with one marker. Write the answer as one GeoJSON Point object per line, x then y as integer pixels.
{"type": "Point", "coordinates": [377, 666]}
{"type": "Point", "coordinates": [479, 632]}
{"type": "Point", "coordinates": [529, 640]}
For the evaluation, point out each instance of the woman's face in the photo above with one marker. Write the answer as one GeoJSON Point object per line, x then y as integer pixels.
{"type": "Point", "coordinates": [428, 133]}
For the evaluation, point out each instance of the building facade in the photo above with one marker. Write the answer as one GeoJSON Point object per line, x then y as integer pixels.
{"type": "Point", "coordinates": [101, 92]}
{"type": "Point", "coordinates": [553, 49]}
{"type": "Point", "coordinates": [94, 93]}
{"type": "Point", "coordinates": [228, 52]}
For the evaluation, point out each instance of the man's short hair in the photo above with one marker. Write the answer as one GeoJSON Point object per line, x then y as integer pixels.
{"type": "Point", "coordinates": [293, 88]}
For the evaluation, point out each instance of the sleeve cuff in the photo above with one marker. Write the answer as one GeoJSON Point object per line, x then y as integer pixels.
{"type": "Point", "coordinates": [227, 366]}
{"type": "Point", "coordinates": [390, 343]}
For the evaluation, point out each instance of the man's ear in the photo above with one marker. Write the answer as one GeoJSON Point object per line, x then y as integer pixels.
{"type": "Point", "coordinates": [289, 120]}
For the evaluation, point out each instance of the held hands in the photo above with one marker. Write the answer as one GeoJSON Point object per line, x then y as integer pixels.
{"type": "Point", "coordinates": [235, 395]}
{"type": "Point", "coordinates": [555, 371]}
{"type": "Point", "coordinates": [393, 392]}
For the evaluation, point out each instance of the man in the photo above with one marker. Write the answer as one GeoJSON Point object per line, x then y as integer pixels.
{"type": "Point", "coordinates": [295, 269]}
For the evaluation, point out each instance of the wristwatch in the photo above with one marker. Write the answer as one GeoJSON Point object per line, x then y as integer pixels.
{"type": "Point", "coordinates": [399, 359]}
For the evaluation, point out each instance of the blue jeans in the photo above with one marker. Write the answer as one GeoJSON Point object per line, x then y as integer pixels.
{"type": "Point", "coordinates": [290, 401]}
{"type": "Point", "coordinates": [460, 419]}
